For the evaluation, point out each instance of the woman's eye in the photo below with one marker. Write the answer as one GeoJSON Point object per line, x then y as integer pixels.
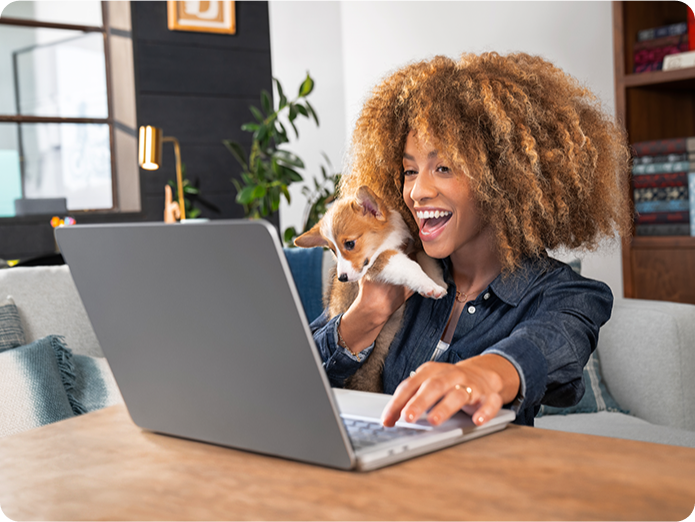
{"type": "Point", "coordinates": [407, 173]}
{"type": "Point", "coordinates": [349, 245]}
{"type": "Point", "coordinates": [443, 169]}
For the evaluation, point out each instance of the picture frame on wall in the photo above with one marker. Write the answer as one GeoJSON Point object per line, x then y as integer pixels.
{"type": "Point", "coordinates": [203, 17]}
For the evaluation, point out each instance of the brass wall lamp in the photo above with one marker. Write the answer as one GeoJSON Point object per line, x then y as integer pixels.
{"type": "Point", "coordinates": [150, 157]}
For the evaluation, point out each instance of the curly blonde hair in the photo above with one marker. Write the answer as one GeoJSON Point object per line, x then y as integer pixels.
{"type": "Point", "coordinates": [548, 167]}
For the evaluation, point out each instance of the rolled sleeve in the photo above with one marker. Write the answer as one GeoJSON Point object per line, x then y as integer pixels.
{"type": "Point", "coordinates": [339, 363]}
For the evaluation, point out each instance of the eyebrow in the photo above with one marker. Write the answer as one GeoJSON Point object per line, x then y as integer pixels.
{"type": "Point", "coordinates": [430, 155]}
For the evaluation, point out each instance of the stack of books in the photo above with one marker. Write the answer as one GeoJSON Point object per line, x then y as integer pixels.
{"type": "Point", "coordinates": [661, 173]}
{"type": "Point", "coordinates": [654, 44]}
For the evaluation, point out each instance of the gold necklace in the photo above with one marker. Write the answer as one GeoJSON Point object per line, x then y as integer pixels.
{"type": "Point", "coordinates": [461, 297]}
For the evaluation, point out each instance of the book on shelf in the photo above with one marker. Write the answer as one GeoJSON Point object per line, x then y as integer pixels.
{"type": "Point", "coordinates": [644, 218]}
{"type": "Point", "coordinates": [667, 146]}
{"type": "Point", "coordinates": [671, 205]}
{"type": "Point", "coordinates": [678, 61]}
{"type": "Point", "coordinates": [663, 229]}
{"type": "Point", "coordinates": [664, 41]}
{"type": "Point", "coordinates": [670, 193]}
{"type": "Point", "coordinates": [654, 57]}
{"type": "Point", "coordinates": [670, 179]}
{"type": "Point", "coordinates": [663, 158]}
{"type": "Point", "coordinates": [659, 32]}
{"type": "Point", "coordinates": [662, 168]}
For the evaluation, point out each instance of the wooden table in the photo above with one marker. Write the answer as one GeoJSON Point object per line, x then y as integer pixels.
{"type": "Point", "coordinates": [100, 466]}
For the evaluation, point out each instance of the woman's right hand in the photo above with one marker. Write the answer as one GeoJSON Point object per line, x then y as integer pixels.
{"type": "Point", "coordinates": [369, 312]}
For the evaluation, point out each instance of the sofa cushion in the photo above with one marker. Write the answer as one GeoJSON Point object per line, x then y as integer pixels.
{"type": "Point", "coordinates": [48, 304]}
{"type": "Point", "coordinates": [647, 352]}
{"type": "Point", "coordinates": [306, 265]}
{"type": "Point", "coordinates": [596, 397]}
{"type": "Point", "coordinates": [619, 425]}
{"type": "Point", "coordinates": [11, 330]}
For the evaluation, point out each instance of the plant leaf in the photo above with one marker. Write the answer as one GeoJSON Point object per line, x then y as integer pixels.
{"type": "Point", "coordinates": [283, 98]}
{"type": "Point", "coordinates": [256, 113]}
{"type": "Point", "coordinates": [249, 127]}
{"type": "Point", "coordinates": [312, 112]}
{"type": "Point", "coordinates": [265, 102]}
{"type": "Point", "coordinates": [287, 159]}
{"type": "Point", "coordinates": [289, 235]}
{"type": "Point", "coordinates": [236, 151]}
{"type": "Point", "coordinates": [302, 110]}
{"type": "Point", "coordinates": [246, 195]}
{"type": "Point", "coordinates": [306, 87]}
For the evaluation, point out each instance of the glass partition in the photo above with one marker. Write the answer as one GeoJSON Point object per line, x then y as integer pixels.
{"type": "Point", "coordinates": [70, 12]}
{"type": "Point", "coordinates": [56, 130]}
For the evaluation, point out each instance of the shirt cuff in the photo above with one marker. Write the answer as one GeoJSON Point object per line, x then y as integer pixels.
{"type": "Point", "coordinates": [341, 363]}
{"type": "Point", "coordinates": [531, 366]}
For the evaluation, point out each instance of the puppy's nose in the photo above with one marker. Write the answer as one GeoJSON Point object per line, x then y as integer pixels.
{"type": "Point", "coordinates": [342, 278]}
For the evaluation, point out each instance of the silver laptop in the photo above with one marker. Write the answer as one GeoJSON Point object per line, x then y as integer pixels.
{"type": "Point", "coordinates": [206, 336]}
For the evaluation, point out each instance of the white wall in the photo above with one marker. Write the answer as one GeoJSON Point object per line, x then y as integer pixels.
{"type": "Point", "coordinates": [306, 36]}
{"type": "Point", "coordinates": [348, 46]}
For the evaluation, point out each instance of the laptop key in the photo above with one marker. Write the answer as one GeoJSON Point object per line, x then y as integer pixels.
{"type": "Point", "coordinates": [364, 434]}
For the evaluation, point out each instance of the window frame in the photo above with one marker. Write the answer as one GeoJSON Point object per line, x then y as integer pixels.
{"type": "Point", "coordinates": [104, 29]}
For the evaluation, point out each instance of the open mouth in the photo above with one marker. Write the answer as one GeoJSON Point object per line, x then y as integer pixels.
{"type": "Point", "coordinates": [432, 220]}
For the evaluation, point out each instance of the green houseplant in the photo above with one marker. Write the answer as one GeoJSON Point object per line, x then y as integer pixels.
{"type": "Point", "coordinates": [318, 200]}
{"type": "Point", "coordinates": [269, 170]}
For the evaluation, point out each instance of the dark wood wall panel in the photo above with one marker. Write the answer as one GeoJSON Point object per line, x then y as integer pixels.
{"type": "Point", "coordinates": [664, 274]}
{"type": "Point", "coordinates": [196, 87]}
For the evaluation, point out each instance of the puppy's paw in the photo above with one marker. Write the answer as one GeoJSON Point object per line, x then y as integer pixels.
{"type": "Point", "coordinates": [433, 291]}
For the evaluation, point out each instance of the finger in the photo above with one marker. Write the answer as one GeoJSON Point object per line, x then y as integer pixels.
{"type": "Point", "coordinates": [431, 391]}
{"type": "Point", "coordinates": [489, 408]}
{"type": "Point", "coordinates": [455, 399]}
{"type": "Point", "coordinates": [405, 390]}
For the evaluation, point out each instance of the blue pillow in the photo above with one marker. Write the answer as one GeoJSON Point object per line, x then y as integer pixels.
{"type": "Point", "coordinates": [596, 397]}
{"type": "Point", "coordinates": [305, 265]}
{"type": "Point", "coordinates": [37, 385]}
{"type": "Point", "coordinates": [11, 330]}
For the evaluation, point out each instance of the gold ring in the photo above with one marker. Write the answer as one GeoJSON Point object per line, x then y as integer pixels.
{"type": "Point", "coordinates": [467, 388]}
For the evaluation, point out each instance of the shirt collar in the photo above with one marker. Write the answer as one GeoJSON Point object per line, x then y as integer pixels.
{"type": "Point", "coordinates": [512, 287]}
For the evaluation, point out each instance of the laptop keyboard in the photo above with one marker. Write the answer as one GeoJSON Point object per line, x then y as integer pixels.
{"type": "Point", "coordinates": [364, 433]}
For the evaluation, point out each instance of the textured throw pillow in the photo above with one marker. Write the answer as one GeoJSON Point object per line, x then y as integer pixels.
{"type": "Point", "coordinates": [37, 385]}
{"type": "Point", "coordinates": [11, 330]}
{"type": "Point", "coordinates": [596, 397]}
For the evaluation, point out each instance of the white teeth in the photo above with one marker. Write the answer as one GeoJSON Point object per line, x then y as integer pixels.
{"type": "Point", "coordinates": [429, 214]}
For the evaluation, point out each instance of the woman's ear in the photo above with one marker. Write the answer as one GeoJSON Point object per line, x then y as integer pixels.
{"type": "Point", "coordinates": [312, 238]}
{"type": "Point", "coordinates": [370, 203]}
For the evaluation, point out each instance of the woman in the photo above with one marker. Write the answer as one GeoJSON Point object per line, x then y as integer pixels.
{"type": "Point", "coordinates": [492, 160]}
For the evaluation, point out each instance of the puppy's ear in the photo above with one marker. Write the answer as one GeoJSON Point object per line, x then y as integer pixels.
{"type": "Point", "coordinates": [312, 238]}
{"type": "Point", "coordinates": [370, 203]}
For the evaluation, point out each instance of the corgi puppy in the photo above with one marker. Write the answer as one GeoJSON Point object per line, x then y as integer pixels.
{"type": "Point", "coordinates": [370, 240]}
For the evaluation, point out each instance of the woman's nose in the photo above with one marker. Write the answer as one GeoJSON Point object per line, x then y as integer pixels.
{"type": "Point", "coordinates": [423, 188]}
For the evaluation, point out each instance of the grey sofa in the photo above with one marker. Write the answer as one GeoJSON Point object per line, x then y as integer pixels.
{"type": "Point", "coordinates": [646, 351]}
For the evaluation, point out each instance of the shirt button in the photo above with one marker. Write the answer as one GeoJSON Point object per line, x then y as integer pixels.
{"type": "Point", "coordinates": [486, 296]}
{"type": "Point", "coordinates": [471, 309]}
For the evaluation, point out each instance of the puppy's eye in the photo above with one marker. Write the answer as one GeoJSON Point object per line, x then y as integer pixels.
{"type": "Point", "coordinates": [349, 245]}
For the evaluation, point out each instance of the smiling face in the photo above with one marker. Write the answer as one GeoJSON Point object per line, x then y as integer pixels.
{"type": "Point", "coordinates": [441, 201]}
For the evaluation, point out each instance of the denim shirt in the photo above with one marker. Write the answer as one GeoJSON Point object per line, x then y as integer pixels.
{"type": "Point", "coordinates": [543, 318]}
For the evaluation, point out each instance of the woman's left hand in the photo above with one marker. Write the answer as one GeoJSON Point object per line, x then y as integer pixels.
{"type": "Point", "coordinates": [479, 385]}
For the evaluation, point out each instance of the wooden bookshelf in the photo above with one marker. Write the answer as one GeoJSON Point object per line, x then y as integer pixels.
{"type": "Point", "coordinates": [654, 105]}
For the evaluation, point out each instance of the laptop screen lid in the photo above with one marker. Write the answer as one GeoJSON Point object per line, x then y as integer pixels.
{"type": "Point", "coordinates": [204, 331]}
